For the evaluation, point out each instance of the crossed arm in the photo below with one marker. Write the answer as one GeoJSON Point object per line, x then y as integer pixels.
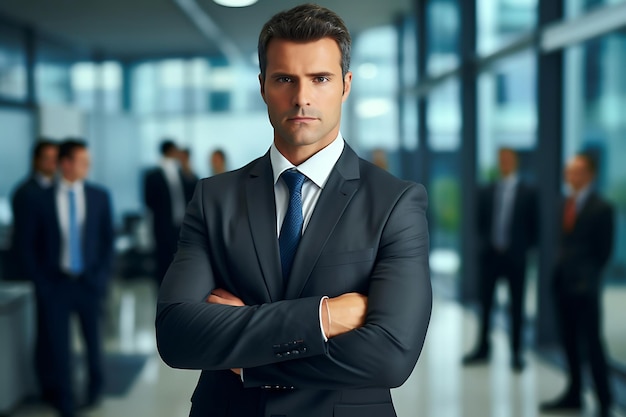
{"type": "Point", "coordinates": [338, 314]}
{"type": "Point", "coordinates": [374, 341]}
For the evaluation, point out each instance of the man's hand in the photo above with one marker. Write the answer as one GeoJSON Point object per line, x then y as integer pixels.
{"type": "Point", "coordinates": [221, 296]}
{"type": "Point", "coordinates": [344, 313]}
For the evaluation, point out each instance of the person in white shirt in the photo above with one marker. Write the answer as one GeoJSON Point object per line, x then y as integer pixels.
{"type": "Point", "coordinates": [166, 194]}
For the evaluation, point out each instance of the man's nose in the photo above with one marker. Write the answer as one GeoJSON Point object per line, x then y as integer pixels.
{"type": "Point", "coordinates": [302, 94]}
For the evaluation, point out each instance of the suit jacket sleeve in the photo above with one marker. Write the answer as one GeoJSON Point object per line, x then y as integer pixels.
{"type": "Point", "coordinates": [106, 237]}
{"type": "Point", "coordinates": [193, 334]}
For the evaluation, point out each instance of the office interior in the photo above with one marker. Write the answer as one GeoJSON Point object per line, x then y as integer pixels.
{"type": "Point", "coordinates": [439, 86]}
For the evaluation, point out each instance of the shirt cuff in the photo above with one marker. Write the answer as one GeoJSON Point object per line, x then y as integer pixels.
{"type": "Point", "coordinates": [320, 317]}
{"type": "Point", "coordinates": [241, 374]}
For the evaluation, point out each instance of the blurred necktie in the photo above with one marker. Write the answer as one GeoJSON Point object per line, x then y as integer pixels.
{"type": "Point", "coordinates": [291, 229]}
{"type": "Point", "coordinates": [569, 214]}
{"type": "Point", "coordinates": [76, 256]}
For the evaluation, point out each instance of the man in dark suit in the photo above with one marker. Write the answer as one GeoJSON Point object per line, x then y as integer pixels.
{"type": "Point", "coordinates": [217, 162]}
{"type": "Point", "coordinates": [301, 283]}
{"type": "Point", "coordinates": [586, 246]}
{"type": "Point", "coordinates": [67, 251]}
{"type": "Point", "coordinates": [44, 165]}
{"type": "Point", "coordinates": [507, 228]}
{"type": "Point", "coordinates": [166, 194]}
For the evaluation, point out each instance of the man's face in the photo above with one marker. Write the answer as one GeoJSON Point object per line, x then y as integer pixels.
{"type": "Point", "coordinates": [577, 174]}
{"type": "Point", "coordinates": [46, 162]}
{"type": "Point", "coordinates": [304, 90]}
{"type": "Point", "coordinates": [507, 161]}
{"type": "Point", "coordinates": [217, 163]}
{"type": "Point", "coordinates": [76, 167]}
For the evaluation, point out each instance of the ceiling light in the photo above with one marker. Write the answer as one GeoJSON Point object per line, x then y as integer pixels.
{"type": "Point", "coordinates": [235, 3]}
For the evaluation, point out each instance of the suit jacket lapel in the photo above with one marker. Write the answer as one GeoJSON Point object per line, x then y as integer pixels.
{"type": "Point", "coordinates": [339, 190]}
{"type": "Point", "coordinates": [262, 217]}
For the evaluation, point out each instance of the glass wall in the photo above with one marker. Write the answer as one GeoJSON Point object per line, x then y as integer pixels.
{"type": "Point", "coordinates": [444, 143]}
{"type": "Point", "coordinates": [575, 8]}
{"type": "Point", "coordinates": [501, 21]}
{"type": "Point", "coordinates": [443, 20]}
{"type": "Point", "coordinates": [52, 72]}
{"type": "Point", "coordinates": [507, 113]}
{"type": "Point", "coordinates": [15, 148]}
{"type": "Point", "coordinates": [595, 99]}
{"type": "Point", "coordinates": [13, 84]}
{"type": "Point", "coordinates": [373, 98]}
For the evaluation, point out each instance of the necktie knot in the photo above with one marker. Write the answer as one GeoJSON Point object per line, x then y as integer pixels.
{"type": "Point", "coordinates": [294, 181]}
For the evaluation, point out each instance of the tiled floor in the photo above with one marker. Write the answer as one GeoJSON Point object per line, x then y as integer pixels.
{"type": "Point", "coordinates": [439, 386]}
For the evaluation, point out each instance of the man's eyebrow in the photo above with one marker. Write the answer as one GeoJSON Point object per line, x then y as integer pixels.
{"type": "Point", "coordinates": [311, 74]}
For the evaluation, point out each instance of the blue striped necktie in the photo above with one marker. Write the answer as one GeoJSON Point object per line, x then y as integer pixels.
{"type": "Point", "coordinates": [291, 229]}
{"type": "Point", "coordinates": [76, 255]}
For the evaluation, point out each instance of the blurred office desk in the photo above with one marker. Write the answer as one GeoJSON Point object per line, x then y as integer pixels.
{"type": "Point", "coordinates": [17, 343]}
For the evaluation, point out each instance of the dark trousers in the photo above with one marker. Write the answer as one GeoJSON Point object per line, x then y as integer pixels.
{"type": "Point", "coordinates": [511, 267]}
{"type": "Point", "coordinates": [580, 325]}
{"type": "Point", "coordinates": [54, 352]}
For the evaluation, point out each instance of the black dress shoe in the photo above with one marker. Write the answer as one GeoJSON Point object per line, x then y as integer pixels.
{"type": "Point", "coordinates": [476, 358]}
{"type": "Point", "coordinates": [568, 402]}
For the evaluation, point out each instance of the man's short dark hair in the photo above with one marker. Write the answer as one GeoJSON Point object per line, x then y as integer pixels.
{"type": "Point", "coordinates": [220, 153]}
{"type": "Point", "coordinates": [40, 146]}
{"type": "Point", "coordinates": [69, 146]}
{"type": "Point", "coordinates": [590, 160]}
{"type": "Point", "coordinates": [305, 23]}
{"type": "Point", "coordinates": [166, 146]}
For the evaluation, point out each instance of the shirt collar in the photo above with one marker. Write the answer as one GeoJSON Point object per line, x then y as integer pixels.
{"type": "Point", "coordinates": [510, 179]}
{"type": "Point", "coordinates": [582, 195]}
{"type": "Point", "coordinates": [65, 185]}
{"type": "Point", "coordinates": [317, 168]}
{"type": "Point", "coordinates": [170, 163]}
{"type": "Point", "coordinates": [43, 181]}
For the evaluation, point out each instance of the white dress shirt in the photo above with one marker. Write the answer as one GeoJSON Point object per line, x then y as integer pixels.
{"type": "Point", "coordinates": [43, 181]}
{"type": "Point", "coordinates": [171, 170]}
{"type": "Point", "coordinates": [316, 169]}
{"type": "Point", "coordinates": [63, 213]}
{"type": "Point", "coordinates": [581, 197]}
{"type": "Point", "coordinates": [503, 206]}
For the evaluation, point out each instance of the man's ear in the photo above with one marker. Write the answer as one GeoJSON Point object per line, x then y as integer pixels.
{"type": "Point", "coordinates": [347, 85]}
{"type": "Point", "coordinates": [262, 84]}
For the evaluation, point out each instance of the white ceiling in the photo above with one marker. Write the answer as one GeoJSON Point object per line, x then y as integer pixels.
{"type": "Point", "coordinates": [137, 29]}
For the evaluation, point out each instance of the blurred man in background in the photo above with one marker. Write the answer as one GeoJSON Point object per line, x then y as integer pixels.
{"type": "Point", "coordinates": [217, 162]}
{"type": "Point", "coordinates": [166, 194]}
{"type": "Point", "coordinates": [507, 226]}
{"type": "Point", "coordinates": [41, 177]}
{"type": "Point", "coordinates": [585, 248]}
{"type": "Point", "coordinates": [67, 251]}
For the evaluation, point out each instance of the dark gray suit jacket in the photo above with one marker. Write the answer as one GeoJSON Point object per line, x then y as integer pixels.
{"type": "Point", "coordinates": [368, 234]}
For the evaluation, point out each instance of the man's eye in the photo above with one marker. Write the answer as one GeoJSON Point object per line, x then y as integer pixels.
{"type": "Point", "coordinates": [321, 79]}
{"type": "Point", "coordinates": [283, 79]}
